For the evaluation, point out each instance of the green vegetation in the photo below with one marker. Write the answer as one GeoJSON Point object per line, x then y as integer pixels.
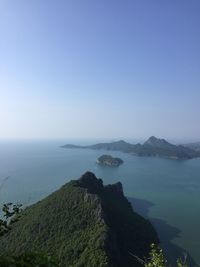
{"type": "Point", "coordinates": [153, 147]}
{"type": "Point", "coordinates": [11, 214]}
{"type": "Point", "coordinates": [110, 249]}
{"type": "Point", "coordinates": [28, 260]}
{"type": "Point", "coordinates": [108, 160]}
{"type": "Point", "coordinates": [157, 259]}
{"type": "Point", "coordinates": [82, 224]}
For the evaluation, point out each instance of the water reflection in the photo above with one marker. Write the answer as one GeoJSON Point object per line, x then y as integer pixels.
{"type": "Point", "coordinates": [166, 232]}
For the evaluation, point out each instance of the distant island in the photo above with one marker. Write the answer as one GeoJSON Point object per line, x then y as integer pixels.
{"type": "Point", "coordinates": [153, 147]}
{"type": "Point", "coordinates": [108, 160]}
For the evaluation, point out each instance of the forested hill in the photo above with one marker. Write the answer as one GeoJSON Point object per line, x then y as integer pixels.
{"type": "Point", "coordinates": [84, 223]}
{"type": "Point", "coordinates": [153, 147]}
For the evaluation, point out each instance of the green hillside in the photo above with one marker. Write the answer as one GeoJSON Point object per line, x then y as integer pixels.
{"type": "Point", "coordinates": [82, 224]}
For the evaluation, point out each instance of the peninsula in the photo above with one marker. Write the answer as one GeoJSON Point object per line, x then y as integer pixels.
{"type": "Point", "coordinates": [153, 147]}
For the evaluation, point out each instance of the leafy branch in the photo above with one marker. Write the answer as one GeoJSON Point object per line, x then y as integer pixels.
{"type": "Point", "coordinates": [10, 214]}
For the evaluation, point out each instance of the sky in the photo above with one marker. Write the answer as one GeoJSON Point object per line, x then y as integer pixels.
{"type": "Point", "coordinates": [100, 69]}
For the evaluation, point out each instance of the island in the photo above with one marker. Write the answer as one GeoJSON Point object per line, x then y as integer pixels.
{"type": "Point", "coordinates": [153, 147]}
{"type": "Point", "coordinates": [108, 160]}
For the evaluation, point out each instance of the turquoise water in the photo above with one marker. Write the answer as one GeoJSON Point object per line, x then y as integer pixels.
{"type": "Point", "coordinates": [166, 191]}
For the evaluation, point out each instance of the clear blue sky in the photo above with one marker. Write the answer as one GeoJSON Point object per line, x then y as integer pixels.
{"type": "Point", "coordinates": [100, 69]}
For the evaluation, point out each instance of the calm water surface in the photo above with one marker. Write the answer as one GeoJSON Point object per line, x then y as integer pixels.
{"type": "Point", "coordinates": [166, 191]}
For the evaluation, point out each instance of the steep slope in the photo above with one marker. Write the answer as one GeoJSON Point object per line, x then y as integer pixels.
{"type": "Point", "coordinates": [153, 147]}
{"type": "Point", "coordinates": [83, 224]}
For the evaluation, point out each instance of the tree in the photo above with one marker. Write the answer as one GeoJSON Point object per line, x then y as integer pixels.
{"type": "Point", "coordinates": [157, 259]}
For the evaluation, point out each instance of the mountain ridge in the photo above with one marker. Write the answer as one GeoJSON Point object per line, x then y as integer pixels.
{"type": "Point", "coordinates": [84, 223]}
{"type": "Point", "coordinates": [153, 147]}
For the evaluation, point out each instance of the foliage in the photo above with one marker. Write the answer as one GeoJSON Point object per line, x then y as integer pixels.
{"type": "Point", "coordinates": [11, 209]}
{"type": "Point", "coordinates": [10, 214]}
{"type": "Point", "coordinates": [157, 259]}
{"type": "Point", "coordinates": [28, 260]}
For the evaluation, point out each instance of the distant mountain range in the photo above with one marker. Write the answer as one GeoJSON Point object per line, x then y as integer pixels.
{"type": "Point", "coordinates": [84, 223]}
{"type": "Point", "coordinates": [153, 147]}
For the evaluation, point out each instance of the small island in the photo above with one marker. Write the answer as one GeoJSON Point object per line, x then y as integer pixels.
{"type": "Point", "coordinates": [108, 160]}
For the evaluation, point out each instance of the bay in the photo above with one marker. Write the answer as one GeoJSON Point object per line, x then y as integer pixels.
{"type": "Point", "coordinates": [165, 191]}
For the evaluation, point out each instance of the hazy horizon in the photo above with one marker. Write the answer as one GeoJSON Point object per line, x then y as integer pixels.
{"type": "Point", "coordinates": [93, 140]}
{"type": "Point", "coordinates": [100, 69]}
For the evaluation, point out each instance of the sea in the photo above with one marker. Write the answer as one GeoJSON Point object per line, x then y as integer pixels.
{"type": "Point", "coordinates": [165, 191]}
